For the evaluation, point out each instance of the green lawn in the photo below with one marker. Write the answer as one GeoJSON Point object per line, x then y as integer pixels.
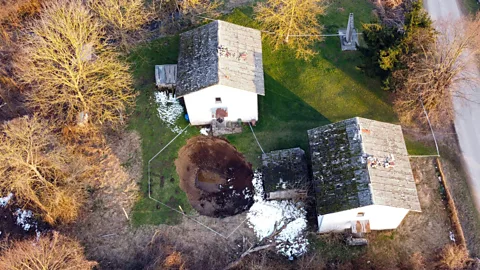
{"type": "Point", "coordinates": [299, 95]}
{"type": "Point", "coordinates": [420, 148]}
{"type": "Point", "coordinates": [155, 134]}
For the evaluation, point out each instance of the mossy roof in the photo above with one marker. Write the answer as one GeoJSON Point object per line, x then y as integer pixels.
{"type": "Point", "coordinates": [285, 169]}
{"type": "Point", "coordinates": [342, 155]}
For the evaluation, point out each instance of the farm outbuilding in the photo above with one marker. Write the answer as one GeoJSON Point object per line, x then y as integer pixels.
{"type": "Point", "coordinates": [165, 76]}
{"type": "Point", "coordinates": [362, 176]}
{"type": "Point", "coordinates": [220, 73]}
{"type": "Point", "coordinates": [285, 174]}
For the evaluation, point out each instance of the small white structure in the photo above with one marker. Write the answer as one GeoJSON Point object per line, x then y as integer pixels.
{"type": "Point", "coordinates": [348, 36]}
{"type": "Point", "coordinates": [165, 76]}
{"type": "Point", "coordinates": [362, 176]}
{"type": "Point", "coordinates": [220, 73]}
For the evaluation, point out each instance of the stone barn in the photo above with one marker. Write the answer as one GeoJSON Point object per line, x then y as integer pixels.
{"type": "Point", "coordinates": [220, 73]}
{"type": "Point", "coordinates": [362, 176]}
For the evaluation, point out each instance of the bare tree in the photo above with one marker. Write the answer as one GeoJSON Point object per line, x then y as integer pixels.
{"type": "Point", "coordinates": [177, 14]}
{"type": "Point", "coordinates": [292, 22]}
{"type": "Point", "coordinates": [124, 18]}
{"type": "Point", "coordinates": [52, 252]}
{"type": "Point", "coordinates": [12, 16]}
{"type": "Point", "coordinates": [392, 12]}
{"type": "Point", "coordinates": [74, 75]}
{"type": "Point", "coordinates": [42, 174]}
{"type": "Point", "coordinates": [192, 10]}
{"type": "Point", "coordinates": [437, 73]}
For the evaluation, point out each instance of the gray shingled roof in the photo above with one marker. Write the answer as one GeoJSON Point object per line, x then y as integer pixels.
{"type": "Point", "coordinates": [285, 169]}
{"type": "Point", "coordinates": [220, 53]}
{"type": "Point", "coordinates": [344, 176]}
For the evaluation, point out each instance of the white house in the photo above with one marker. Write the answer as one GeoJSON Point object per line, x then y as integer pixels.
{"type": "Point", "coordinates": [220, 73]}
{"type": "Point", "coordinates": [362, 176]}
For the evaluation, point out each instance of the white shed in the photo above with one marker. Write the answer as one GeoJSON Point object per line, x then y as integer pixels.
{"type": "Point", "coordinates": [165, 76]}
{"type": "Point", "coordinates": [220, 73]}
{"type": "Point", "coordinates": [362, 176]}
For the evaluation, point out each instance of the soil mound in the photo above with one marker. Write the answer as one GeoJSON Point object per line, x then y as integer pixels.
{"type": "Point", "coordinates": [215, 177]}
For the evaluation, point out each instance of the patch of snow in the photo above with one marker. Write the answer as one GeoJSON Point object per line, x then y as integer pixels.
{"type": "Point", "coordinates": [204, 131]}
{"type": "Point", "coordinates": [247, 193]}
{"type": "Point", "coordinates": [452, 236]}
{"type": "Point", "coordinates": [291, 241]}
{"type": "Point", "coordinates": [257, 182]}
{"type": "Point", "coordinates": [268, 217]}
{"type": "Point", "coordinates": [282, 184]}
{"type": "Point", "coordinates": [4, 200]}
{"type": "Point", "coordinates": [169, 109]}
{"type": "Point", "coordinates": [25, 219]}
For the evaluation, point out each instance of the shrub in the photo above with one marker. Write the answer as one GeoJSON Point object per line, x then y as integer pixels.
{"type": "Point", "coordinates": [453, 257]}
{"type": "Point", "coordinates": [52, 252]}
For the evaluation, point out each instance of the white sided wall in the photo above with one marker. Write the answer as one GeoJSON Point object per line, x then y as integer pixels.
{"type": "Point", "coordinates": [380, 217]}
{"type": "Point", "coordinates": [240, 104]}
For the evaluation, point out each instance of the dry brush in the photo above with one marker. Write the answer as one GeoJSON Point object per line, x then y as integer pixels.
{"type": "Point", "coordinates": [442, 70]}
{"type": "Point", "coordinates": [123, 19]}
{"type": "Point", "coordinates": [52, 252]}
{"type": "Point", "coordinates": [177, 14]}
{"type": "Point", "coordinates": [44, 175]}
{"type": "Point", "coordinates": [453, 257]}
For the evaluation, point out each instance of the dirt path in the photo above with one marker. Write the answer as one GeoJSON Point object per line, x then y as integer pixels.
{"type": "Point", "coordinates": [467, 120]}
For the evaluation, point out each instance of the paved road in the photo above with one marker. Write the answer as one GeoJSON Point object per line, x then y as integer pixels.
{"type": "Point", "coordinates": [467, 119]}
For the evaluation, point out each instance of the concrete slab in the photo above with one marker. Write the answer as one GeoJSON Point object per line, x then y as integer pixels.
{"type": "Point", "coordinates": [348, 46]}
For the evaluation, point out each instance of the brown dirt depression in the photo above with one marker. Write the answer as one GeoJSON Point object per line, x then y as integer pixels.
{"type": "Point", "coordinates": [215, 176]}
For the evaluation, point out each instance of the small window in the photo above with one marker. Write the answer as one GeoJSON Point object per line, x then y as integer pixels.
{"type": "Point", "coordinates": [360, 214]}
{"type": "Point", "coordinates": [218, 100]}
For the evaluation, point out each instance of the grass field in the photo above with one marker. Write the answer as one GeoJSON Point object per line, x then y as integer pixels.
{"type": "Point", "coordinates": [415, 147]}
{"type": "Point", "coordinates": [299, 95]}
{"type": "Point", "coordinates": [155, 134]}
